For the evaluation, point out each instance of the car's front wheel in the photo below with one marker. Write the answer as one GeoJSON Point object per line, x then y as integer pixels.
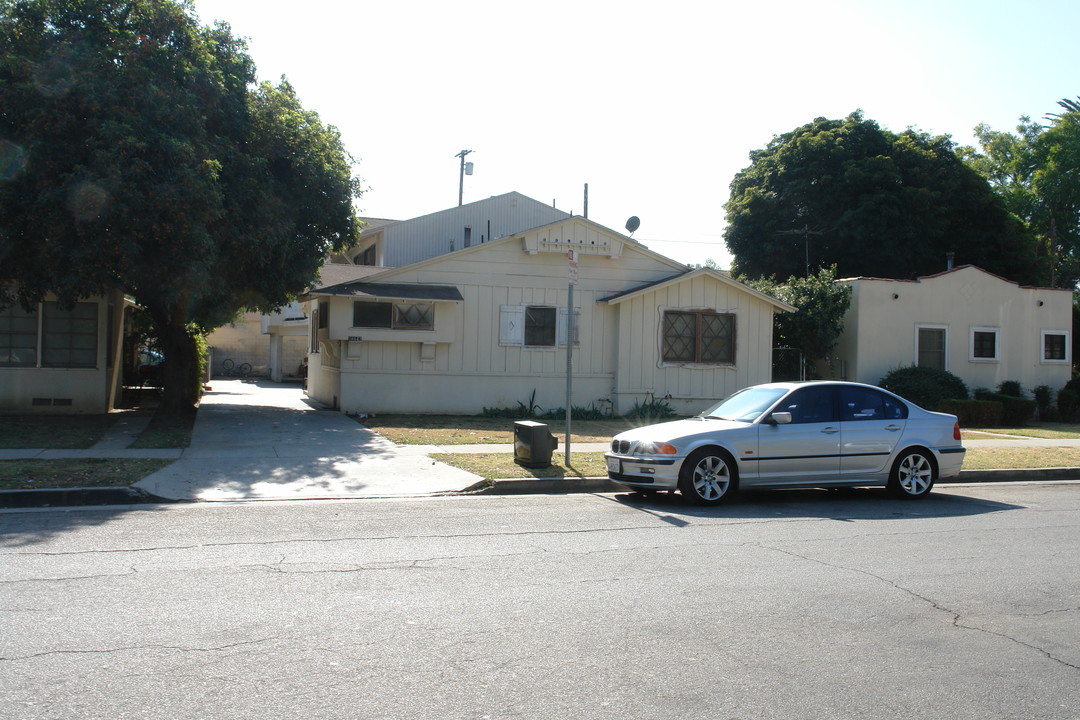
{"type": "Point", "coordinates": [912, 475]}
{"type": "Point", "coordinates": [707, 477]}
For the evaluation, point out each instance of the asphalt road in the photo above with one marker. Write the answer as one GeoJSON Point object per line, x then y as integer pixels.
{"type": "Point", "coordinates": [810, 604]}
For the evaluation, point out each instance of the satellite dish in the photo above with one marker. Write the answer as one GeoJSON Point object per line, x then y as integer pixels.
{"type": "Point", "coordinates": [633, 224]}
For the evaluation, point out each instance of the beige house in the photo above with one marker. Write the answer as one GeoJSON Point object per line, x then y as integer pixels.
{"type": "Point", "coordinates": [976, 325]}
{"type": "Point", "coordinates": [486, 326]}
{"type": "Point", "coordinates": [63, 360]}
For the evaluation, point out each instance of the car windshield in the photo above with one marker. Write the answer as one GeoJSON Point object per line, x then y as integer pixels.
{"type": "Point", "coordinates": [745, 405]}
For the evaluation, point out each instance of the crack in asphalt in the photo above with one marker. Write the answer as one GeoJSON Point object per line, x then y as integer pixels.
{"type": "Point", "coordinates": [109, 651]}
{"type": "Point", "coordinates": [957, 620]}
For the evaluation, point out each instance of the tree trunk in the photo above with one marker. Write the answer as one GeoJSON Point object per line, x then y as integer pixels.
{"type": "Point", "coordinates": [180, 384]}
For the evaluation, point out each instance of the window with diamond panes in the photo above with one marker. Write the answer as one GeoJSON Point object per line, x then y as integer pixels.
{"type": "Point", "coordinates": [400, 316]}
{"type": "Point", "coordinates": [699, 337]}
{"type": "Point", "coordinates": [414, 317]}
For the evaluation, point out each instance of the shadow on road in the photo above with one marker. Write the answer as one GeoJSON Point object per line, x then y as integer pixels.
{"type": "Point", "coordinates": [843, 504]}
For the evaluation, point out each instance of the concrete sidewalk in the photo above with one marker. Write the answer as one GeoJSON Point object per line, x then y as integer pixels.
{"type": "Point", "coordinates": [264, 441]}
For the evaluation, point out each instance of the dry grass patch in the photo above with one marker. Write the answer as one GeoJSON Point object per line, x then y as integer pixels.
{"type": "Point", "coordinates": [1009, 458]}
{"type": "Point", "coordinates": [75, 473]}
{"type": "Point", "coordinates": [479, 430]}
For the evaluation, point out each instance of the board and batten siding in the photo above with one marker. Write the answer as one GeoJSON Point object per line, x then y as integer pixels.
{"type": "Point", "coordinates": [642, 375]}
{"type": "Point", "coordinates": [473, 370]}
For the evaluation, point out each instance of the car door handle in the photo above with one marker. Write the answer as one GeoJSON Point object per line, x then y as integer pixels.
{"type": "Point", "coordinates": [893, 428]}
{"type": "Point", "coordinates": [830, 430]}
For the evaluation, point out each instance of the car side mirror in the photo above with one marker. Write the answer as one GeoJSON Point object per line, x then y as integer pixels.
{"type": "Point", "coordinates": [780, 418]}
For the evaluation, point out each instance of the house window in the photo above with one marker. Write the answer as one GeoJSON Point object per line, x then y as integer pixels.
{"type": "Point", "coordinates": [537, 326]}
{"type": "Point", "coordinates": [398, 316]}
{"type": "Point", "coordinates": [540, 324]}
{"type": "Point", "coordinates": [69, 337]}
{"type": "Point", "coordinates": [316, 322]}
{"type": "Point", "coordinates": [1055, 347]}
{"type": "Point", "coordinates": [367, 257]}
{"type": "Point", "coordinates": [18, 337]}
{"type": "Point", "coordinates": [699, 336]}
{"type": "Point", "coordinates": [324, 315]}
{"type": "Point", "coordinates": [984, 344]}
{"type": "Point", "coordinates": [930, 344]}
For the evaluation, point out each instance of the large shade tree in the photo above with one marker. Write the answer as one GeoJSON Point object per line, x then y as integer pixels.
{"type": "Point", "coordinates": [1036, 172]}
{"type": "Point", "coordinates": [137, 151]}
{"type": "Point", "coordinates": [871, 202]}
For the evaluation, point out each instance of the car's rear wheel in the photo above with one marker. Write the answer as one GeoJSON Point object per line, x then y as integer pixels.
{"type": "Point", "coordinates": [913, 474]}
{"type": "Point", "coordinates": [707, 477]}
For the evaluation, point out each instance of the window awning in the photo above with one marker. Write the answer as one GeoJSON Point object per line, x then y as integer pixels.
{"type": "Point", "coordinates": [393, 291]}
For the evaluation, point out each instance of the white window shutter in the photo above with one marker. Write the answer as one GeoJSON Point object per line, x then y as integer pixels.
{"type": "Point", "coordinates": [560, 327]}
{"type": "Point", "coordinates": [511, 325]}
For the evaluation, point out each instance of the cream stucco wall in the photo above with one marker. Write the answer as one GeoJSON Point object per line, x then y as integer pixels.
{"type": "Point", "coordinates": [880, 328]}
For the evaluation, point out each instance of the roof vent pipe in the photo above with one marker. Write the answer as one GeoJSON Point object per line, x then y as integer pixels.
{"type": "Point", "coordinates": [949, 257]}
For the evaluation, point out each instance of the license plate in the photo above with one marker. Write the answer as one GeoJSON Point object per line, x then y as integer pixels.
{"type": "Point", "coordinates": [614, 465]}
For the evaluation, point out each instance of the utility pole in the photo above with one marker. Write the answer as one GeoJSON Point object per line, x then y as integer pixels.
{"type": "Point", "coordinates": [806, 232]}
{"type": "Point", "coordinates": [461, 175]}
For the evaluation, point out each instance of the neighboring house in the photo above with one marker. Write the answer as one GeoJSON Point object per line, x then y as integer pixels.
{"type": "Point", "coordinates": [63, 360]}
{"type": "Point", "coordinates": [387, 243]}
{"type": "Point", "coordinates": [486, 326]}
{"type": "Point", "coordinates": [976, 325]}
{"type": "Point", "coordinates": [274, 345]}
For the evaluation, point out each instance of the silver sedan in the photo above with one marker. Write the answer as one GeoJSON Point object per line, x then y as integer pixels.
{"type": "Point", "coordinates": [792, 435]}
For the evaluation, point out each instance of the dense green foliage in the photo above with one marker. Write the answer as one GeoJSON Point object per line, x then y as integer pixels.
{"type": "Point", "coordinates": [974, 413]}
{"type": "Point", "coordinates": [873, 203]}
{"type": "Point", "coordinates": [1034, 171]}
{"type": "Point", "coordinates": [1017, 411]}
{"type": "Point", "coordinates": [137, 151]}
{"type": "Point", "coordinates": [821, 302]}
{"type": "Point", "coordinates": [924, 386]}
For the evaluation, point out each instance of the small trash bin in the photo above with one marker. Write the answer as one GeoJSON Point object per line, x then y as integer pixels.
{"type": "Point", "coordinates": [533, 444]}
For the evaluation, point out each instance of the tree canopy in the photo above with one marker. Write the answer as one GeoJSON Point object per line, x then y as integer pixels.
{"type": "Point", "coordinates": [871, 202]}
{"type": "Point", "coordinates": [1036, 172]}
{"type": "Point", "coordinates": [815, 329]}
{"type": "Point", "coordinates": [137, 151]}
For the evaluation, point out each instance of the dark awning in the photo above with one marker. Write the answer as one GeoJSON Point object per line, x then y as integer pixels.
{"type": "Point", "coordinates": [393, 291]}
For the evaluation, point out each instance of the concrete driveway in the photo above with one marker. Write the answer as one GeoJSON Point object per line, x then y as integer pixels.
{"type": "Point", "coordinates": [257, 440]}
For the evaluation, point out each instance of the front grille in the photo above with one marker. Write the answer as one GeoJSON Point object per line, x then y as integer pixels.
{"type": "Point", "coordinates": [636, 479]}
{"type": "Point", "coordinates": [620, 447]}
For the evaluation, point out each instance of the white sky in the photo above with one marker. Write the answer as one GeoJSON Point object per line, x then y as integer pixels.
{"type": "Point", "coordinates": [655, 105]}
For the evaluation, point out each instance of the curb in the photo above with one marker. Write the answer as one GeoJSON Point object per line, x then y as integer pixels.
{"type": "Point", "coordinates": [70, 497]}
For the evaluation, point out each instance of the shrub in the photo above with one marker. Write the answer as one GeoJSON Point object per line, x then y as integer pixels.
{"type": "Point", "coordinates": [1011, 388]}
{"type": "Point", "coordinates": [1017, 411]}
{"type": "Point", "coordinates": [926, 387]}
{"type": "Point", "coordinates": [651, 410]}
{"type": "Point", "coordinates": [974, 413]}
{"type": "Point", "coordinates": [1068, 402]}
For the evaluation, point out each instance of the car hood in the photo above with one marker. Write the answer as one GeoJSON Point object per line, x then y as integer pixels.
{"type": "Point", "coordinates": [668, 431]}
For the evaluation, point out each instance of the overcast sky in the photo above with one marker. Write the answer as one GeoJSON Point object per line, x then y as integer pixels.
{"type": "Point", "coordinates": [655, 105]}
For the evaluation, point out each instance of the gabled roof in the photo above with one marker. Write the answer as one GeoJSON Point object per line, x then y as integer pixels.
{"type": "Point", "coordinates": [337, 273]}
{"type": "Point", "coordinates": [690, 275]}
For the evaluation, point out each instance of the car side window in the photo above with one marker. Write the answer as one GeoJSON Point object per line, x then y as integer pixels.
{"type": "Point", "coordinates": [810, 405]}
{"type": "Point", "coordinates": [866, 404]}
{"type": "Point", "coordinates": [861, 404]}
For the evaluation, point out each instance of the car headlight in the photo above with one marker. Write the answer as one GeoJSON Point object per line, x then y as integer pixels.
{"type": "Point", "coordinates": [655, 448]}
